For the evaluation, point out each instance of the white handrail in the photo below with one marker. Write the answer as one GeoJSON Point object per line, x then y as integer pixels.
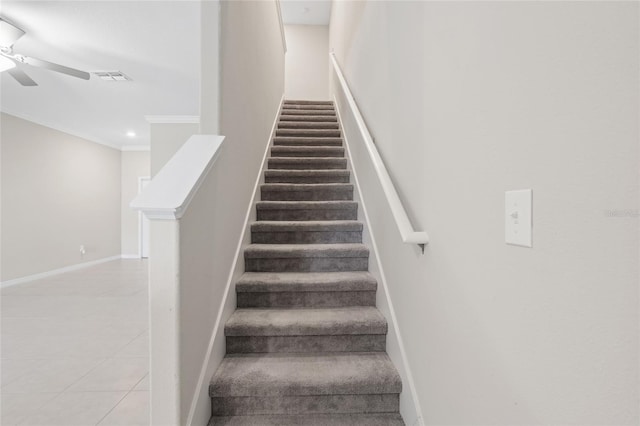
{"type": "Point", "coordinates": [408, 234]}
{"type": "Point", "coordinates": [169, 193]}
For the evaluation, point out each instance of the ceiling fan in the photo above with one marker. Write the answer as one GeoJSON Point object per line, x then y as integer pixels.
{"type": "Point", "coordinates": [9, 34]}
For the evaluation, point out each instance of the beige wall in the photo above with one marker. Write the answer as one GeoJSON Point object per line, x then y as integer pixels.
{"type": "Point", "coordinates": [166, 139]}
{"type": "Point", "coordinates": [307, 62]}
{"type": "Point", "coordinates": [466, 100]}
{"type": "Point", "coordinates": [251, 88]}
{"type": "Point", "coordinates": [209, 68]}
{"type": "Point", "coordinates": [58, 192]}
{"type": "Point", "coordinates": [134, 164]}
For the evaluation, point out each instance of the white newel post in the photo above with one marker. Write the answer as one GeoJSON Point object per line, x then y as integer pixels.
{"type": "Point", "coordinates": [164, 201]}
{"type": "Point", "coordinates": [164, 320]}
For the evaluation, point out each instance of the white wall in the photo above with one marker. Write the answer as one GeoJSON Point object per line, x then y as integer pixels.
{"type": "Point", "coordinates": [134, 164]}
{"type": "Point", "coordinates": [251, 87]}
{"type": "Point", "coordinates": [193, 259]}
{"type": "Point", "coordinates": [58, 192]}
{"type": "Point", "coordinates": [166, 138]}
{"type": "Point", "coordinates": [466, 100]}
{"type": "Point", "coordinates": [209, 68]}
{"type": "Point", "coordinates": [307, 62]}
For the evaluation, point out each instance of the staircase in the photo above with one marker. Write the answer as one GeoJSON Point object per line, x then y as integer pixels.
{"type": "Point", "coordinates": [306, 345]}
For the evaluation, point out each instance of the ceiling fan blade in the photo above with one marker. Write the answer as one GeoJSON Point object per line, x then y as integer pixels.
{"type": "Point", "coordinates": [22, 77]}
{"type": "Point", "coordinates": [56, 67]}
{"type": "Point", "coordinates": [9, 33]}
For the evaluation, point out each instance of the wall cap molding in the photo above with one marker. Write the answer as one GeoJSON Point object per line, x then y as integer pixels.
{"type": "Point", "coordinates": [169, 193]}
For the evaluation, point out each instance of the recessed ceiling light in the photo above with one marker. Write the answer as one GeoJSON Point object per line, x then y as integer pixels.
{"type": "Point", "coordinates": [131, 134]}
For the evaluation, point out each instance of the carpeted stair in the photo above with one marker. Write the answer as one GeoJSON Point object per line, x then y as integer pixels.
{"type": "Point", "coordinates": [306, 345]}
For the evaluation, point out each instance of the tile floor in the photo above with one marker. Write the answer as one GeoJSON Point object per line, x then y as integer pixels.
{"type": "Point", "coordinates": [74, 348]}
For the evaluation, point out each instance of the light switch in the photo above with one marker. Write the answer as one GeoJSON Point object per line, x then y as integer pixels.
{"type": "Point", "coordinates": [518, 217]}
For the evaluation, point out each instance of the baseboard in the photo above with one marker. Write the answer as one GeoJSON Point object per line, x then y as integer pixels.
{"type": "Point", "coordinates": [58, 271]}
{"type": "Point", "coordinates": [130, 256]}
{"type": "Point", "coordinates": [394, 338]}
{"type": "Point", "coordinates": [201, 395]}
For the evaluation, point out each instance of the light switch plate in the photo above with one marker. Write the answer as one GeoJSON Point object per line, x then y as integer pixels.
{"type": "Point", "coordinates": [518, 217]}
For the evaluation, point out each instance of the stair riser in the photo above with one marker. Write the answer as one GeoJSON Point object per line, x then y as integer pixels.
{"type": "Point", "coordinates": [314, 164]}
{"type": "Point", "coordinates": [314, 118]}
{"type": "Point", "coordinates": [288, 107]}
{"type": "Point", "coordinates": [376, 419]}
{"type": "Point", "coordinates": [306, 237]}
{"type": "Point", "coordinates": [307, 152]}
{"type": "Point", "coordinates": [315, 112]}
{"type": "Point", "coordinates": [310, 214]}
{"type": "Point", "coordinates": [309, 133]}
{"type": "Point", "coordinates": [324, 178]}
{"type": "Point", "coordinates": [315, 404]}
{"type": "Point", "coordinates": [306, 299]}
{"type": "Point", "coordinates": [306, 344]}
{"type": "Point", "coordinates": [293, 141]}
{"type": "Point", "coordinates": [306, 125]}
{"type": "Point", "coordinates": [307, 264]}
{"type": "Point", "coordinates": [336, 194]}
{"type": "Point", "coordinates": [306, 102]}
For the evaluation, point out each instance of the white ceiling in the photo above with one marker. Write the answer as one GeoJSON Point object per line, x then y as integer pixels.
{"type": "Point", "coordinates": [306, 12]}
{"type": "Point", "coordinates": [156, 43]}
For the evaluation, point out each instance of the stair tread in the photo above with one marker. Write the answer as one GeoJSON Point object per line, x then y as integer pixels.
{"type": "Point", "coordinates": [302, 186]}
{"type": "Point", "coordinates": [306, 281]}
{"type": "Point", "coordinates": [353, 320]}
{"type": "Point", "coordinates": [281, 251]}
{"type": "Point", "coordinates": [298, 124]}
{"type": "Point", "coordinates": [304, 205]}
{"type": "Point", "coordinates": [315, 118]}
{"type": "Point", "coordinates": [320, 132]}
{"type": "Point", "coordinates": [329, 112]}
{"type": "Point", "coordinates": [378, 419]}
{"type": "Point", "coordinates": [307, 138]}
{"type": "Point", "coordinates": [308, 225]}
{"type": "Point", "coordinates": [306, 102]}
{"type": "Point", "coordinates": [307, 172]}
{"type": "Point", "coordinates": [285, 148]}
{"type": "Point", "coordinates": [308, 132]}
{"type": "Point", "coordinates": [329, 107]}
{"type": "Point", "coordinates": [308, 159]}
{"type": "Point", "coordinates": [272, 374]}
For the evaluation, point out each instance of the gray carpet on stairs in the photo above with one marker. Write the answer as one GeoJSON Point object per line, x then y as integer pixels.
{"type": "Point", "coordinates": [306, 345]}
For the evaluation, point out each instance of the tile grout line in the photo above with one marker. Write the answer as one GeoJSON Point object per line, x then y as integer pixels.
{"type": "Point", "coordinates": [122, 399]}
